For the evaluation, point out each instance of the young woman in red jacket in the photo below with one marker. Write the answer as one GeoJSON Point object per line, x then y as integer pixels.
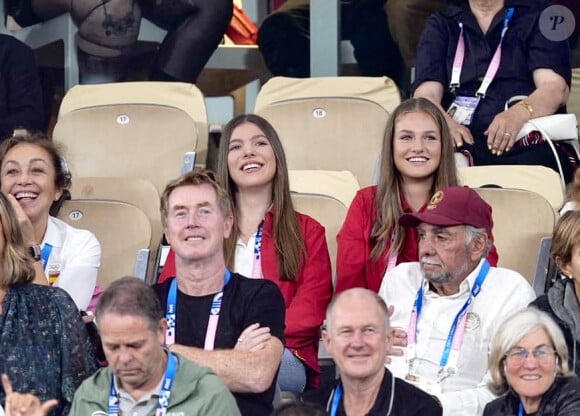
{"type": "Point", "coordinates": [418, 159]}
{"type": "Point", "coordinates": [273, 241]}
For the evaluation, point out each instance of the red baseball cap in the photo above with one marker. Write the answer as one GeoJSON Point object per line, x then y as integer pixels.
{"type": "Point", "coordinates": [454, 205]}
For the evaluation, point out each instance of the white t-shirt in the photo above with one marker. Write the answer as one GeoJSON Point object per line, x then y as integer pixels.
{"type": "Point", "coordinates": [74, 260]}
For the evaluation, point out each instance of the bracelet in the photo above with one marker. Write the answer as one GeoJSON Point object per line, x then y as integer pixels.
{"type": "Point", "coordinates": [528, 106]}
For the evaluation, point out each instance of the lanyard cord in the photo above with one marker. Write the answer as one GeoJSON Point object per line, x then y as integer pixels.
{"type": "Point", "coordinates": [214, 314]}
{"type": "Point", "coordinates": [257, 265]}
{"type": "Point", "coordinates": [493, 65]}
{"type": "Point", "coordinates": [452, 345]}
{"type": "Point", "coordinates": [164, 393]}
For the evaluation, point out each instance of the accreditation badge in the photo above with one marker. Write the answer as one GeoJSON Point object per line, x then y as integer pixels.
{"type": "Point", "coordinates": [462, 109]}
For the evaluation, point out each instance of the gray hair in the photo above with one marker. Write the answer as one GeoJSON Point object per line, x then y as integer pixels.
{"type": "Point", "coordinates": [471, 233]}
{"type": "Point", "coordinates": [131, 296]}
{"type": "Point", "coordinates": [511, 331]}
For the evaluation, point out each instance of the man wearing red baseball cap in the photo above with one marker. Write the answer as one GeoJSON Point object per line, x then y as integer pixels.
{"type": "Point", "coordinates": [449, 303]}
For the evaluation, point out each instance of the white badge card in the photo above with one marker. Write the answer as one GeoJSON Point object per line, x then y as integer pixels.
{"type": "Point", "coordinates": [463, 108]}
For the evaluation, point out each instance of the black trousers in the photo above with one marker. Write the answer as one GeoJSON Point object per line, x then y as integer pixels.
{"type": "Point", "coordinates": [195, 29]}
{"type": "Point", "coordinates": [284, 40]}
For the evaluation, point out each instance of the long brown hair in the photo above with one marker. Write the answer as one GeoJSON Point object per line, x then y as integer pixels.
{"type": "Point", "coordinates": [288, 238]}
{"type": "Point", "coordinates": [17, 264]}
{"type": "Point", "coordinates": [388, 198]}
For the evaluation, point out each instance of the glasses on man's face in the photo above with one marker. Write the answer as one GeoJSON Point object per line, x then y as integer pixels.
{"type": "Point", "coordinates": [543, 354]}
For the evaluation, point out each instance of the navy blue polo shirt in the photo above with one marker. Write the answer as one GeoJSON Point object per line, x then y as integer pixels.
{"type": "Point", "coordinates": [524, 50]}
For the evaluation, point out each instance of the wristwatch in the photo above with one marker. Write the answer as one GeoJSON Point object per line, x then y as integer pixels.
{"type": "Point", "coordinates": [34, 252]}
{"type": "Point", "coordinates": [528, 106]}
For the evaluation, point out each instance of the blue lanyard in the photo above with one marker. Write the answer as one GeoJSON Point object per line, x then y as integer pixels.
{"type": "Point", "coordinates": [474, 292]}
{"type": "Point", "coordinates": [521, 410]}
{"type": "Point", "coordinates": [506, 22]}
{"type": "Point", "coordinates": [214, 313]}
{"type": "Point", "coordinates": [336, 398]}
{"type": "Point", "coordinates": [258, 241]}
{"type": "Point", "coordinates": [45, 254]}
{"type": "Point", "coordinates": [164, 393]}
{"type": "Point", "coordinates": [257, 264]}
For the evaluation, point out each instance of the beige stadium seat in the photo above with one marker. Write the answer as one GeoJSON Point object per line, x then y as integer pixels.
{"type": "Point", "coordinates": [520, 220]}
{"type": "Point", "coordinates": [539, 179]}
{"type": "Point", "coordinates": [381, 90]}
{"type": "Point", "coordinates": [138, 192]}
{"type": "Point", "coordinates": [147, 130]}
{"type": "Point", "coordinates": [340, 185]}
{"type": "Point", "coordinates": [573, 104]}
{"type": "Point", "coordinates": [328, 211]}
{"type": "Point", "coordinates": [123, 231]}
{"type": "Point", "coordinates": [332, 123]}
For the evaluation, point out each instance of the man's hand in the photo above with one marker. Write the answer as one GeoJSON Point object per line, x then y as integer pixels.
{"type": "Point", "coordinates": [18, 404]}
{"type": "Point", "coordinates": [253, 338]}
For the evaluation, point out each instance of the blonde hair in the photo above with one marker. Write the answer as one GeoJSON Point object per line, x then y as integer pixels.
{"type": "Point", "coordinates": [566, 235]}
{"type": "Point", "coordinates": [573, 191]}
{"type": "Point", "coordinates": [511, 331]}
{"type": "Point", "coordinates": [288, 238]}
{"type": "Point", "coordinates": [388, 206]}
{"type": "Point", "coordinates": [17, 265]}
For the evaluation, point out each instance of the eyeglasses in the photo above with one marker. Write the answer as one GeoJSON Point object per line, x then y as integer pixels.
{"type": "Point", "coordinates": [543, 354]}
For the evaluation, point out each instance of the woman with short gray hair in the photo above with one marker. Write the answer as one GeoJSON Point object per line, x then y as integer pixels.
{"type": "Point", "coordinates": [529, 368]}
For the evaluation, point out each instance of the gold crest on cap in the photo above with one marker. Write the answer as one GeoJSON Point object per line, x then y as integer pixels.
{"type": "Point", "coordinates": [435, 199]}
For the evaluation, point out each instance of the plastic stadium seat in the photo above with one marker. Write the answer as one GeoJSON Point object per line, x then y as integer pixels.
{"type": "Point", "coordinates": [521, 219]}
{"type": "Point", "coordinates": [330, 123]}
{"type": "Point", "coordinates": [341, 185]}
{"type": "Point", "coordinates": [539, 179]}
{"type": "Point", "coordinates": [138, 192]}
{"type": "Point", "coordinates": [123, 231]}
{"type": "Point", "coordinates": [328, 211]}
{"type": "Point", "coordinates": [146, 130]}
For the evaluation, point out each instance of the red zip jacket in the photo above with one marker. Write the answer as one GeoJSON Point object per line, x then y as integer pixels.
{"type": "Point", "coordinates": [354, 266]}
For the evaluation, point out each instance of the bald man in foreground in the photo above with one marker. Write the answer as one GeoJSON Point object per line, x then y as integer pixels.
{"type": "Point", "coordinates": [357, 336]}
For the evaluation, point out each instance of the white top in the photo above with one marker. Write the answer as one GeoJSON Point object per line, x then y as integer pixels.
{"type": "Point", "coordinates": [244, 256]}
{"type": "Point", "coordinates": [569, 206]}
{"type": "Point", "coordinates": [75, 257]}
{"type": "Point", "coordinates": [503, 293]}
